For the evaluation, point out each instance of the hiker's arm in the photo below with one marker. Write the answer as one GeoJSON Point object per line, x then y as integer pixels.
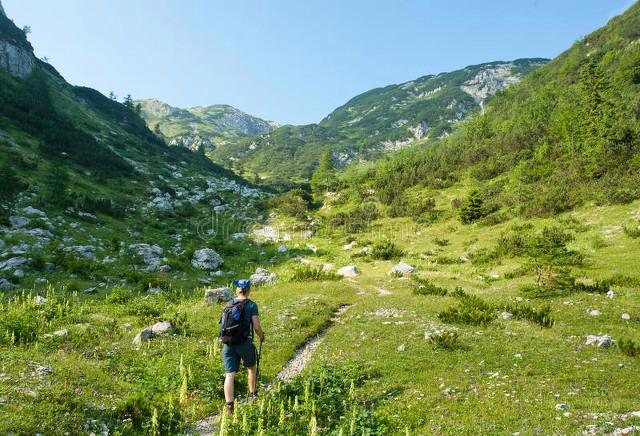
{"type": "Point", "coordinates": [255, 319]}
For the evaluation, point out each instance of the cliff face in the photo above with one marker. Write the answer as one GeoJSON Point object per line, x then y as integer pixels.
{"type": "Point", "coordinates": [16, 53]}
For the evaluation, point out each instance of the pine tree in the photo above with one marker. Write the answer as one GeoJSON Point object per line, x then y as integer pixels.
{"type": "Point", "coordinates": [10, 183]}
{"type": "Point", "coordinates": [56, 184]}
{"type": "Point", "coordinates": [472, 209]}
{"type": "Point", "coordinates": [324, 177]}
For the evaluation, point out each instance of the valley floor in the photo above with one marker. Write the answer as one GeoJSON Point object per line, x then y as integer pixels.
{"type": "Point", "coordinates": [506, 377]}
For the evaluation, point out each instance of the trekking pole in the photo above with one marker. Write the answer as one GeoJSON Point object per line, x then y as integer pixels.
{"type": "Point", "coordinates": [258, 369]}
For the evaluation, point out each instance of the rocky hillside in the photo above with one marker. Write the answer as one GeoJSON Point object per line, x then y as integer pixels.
{"type": "Point", "coordinates": [91, 198]}
{"type": "Point", "coordinates": [201, 126]}
{"type": "Point", "coordinates": [374, 123]}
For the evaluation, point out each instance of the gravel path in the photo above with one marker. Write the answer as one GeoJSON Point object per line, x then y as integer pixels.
{"type": "Point", "coordinates": [303, 354]}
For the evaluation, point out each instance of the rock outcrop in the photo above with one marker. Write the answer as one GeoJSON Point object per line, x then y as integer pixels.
{"type": "Point", "coordinates": [158, 329]}
{"type": "Point", "coordinates": [348, 271]}
{"type": "Point", "coordinates": [206, 258]}
{"type": "Point", "coordinates": [263, 277]}
{"type": "Point", "coordinates": [217, 295]}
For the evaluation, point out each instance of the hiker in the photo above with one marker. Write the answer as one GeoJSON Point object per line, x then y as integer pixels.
{"type": "Point", "coordinates": [237, 325]}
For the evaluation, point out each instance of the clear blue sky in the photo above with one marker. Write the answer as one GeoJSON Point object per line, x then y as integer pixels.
{"type": "Point", "coordinates": [292, 61]}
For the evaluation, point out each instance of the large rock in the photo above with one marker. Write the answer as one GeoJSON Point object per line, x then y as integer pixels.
{"type": "Point", "coordinates": [262, 277]}
{"type": "Point", "coordinates": [348, 271]}
{"type": "Point", "coordinates": [158, 329]}
{"type": "Point", "coordinates": [18, 222]}
{"type": "Point", "coordinates": [604, 341]}
{"type": "Point", "coordinates": [6, 285]}
{"type": "Point", "coordinates": [149, 255]}
{"type": "Point", "coordinates": [13, 263]}
{"type": "Point", "coordinates": [82, 251]}
{"type": "Point", "coordinates": [206, 258]}
{"type": "Point", "coordinates": [402, 268]}
{"type": "Point", "coordinates": [217, 295]}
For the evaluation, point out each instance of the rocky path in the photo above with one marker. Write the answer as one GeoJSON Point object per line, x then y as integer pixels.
{"type": "Point", "coordinates": [298, 362]}
{"type": "Point", "coordinates": [303, 355]}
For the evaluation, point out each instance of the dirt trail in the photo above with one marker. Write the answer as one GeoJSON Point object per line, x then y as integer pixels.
{"type": "Point", "coordinates": [298, 362]}
{"type": "Point", "coordinates": [303, 354]}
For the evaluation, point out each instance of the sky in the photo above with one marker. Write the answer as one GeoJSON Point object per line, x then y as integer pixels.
{"type": "Point", "coordinates": [292, 61]}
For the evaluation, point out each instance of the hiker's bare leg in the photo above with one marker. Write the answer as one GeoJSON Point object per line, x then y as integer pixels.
{"type": "Point", "coordinates": [252, 379]}
{"type": "Point", "coordinates": [228, 386]}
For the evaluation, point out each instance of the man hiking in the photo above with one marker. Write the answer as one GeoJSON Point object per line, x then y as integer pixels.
{"type": "Point", "coordinates": [238, 323]}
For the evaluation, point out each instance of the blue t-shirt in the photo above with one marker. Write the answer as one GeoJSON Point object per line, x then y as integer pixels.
{"type": "Point", "coordinates": [250, 309]}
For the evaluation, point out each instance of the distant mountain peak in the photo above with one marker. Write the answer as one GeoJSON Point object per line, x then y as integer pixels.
{"type": "Point", "coordinates": [206, 126]}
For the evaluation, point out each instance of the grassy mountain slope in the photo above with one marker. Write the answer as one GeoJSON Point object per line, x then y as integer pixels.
{"type": "Point", "coordinates": [374, 123]}
{"type": "Point", "coordinates": [208, 126]}
{"type": "Point", "coordinates": [567, 133]}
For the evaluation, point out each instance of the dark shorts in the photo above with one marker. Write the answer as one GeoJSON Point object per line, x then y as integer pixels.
{"type": "Point", "coordinates": [231, 355]}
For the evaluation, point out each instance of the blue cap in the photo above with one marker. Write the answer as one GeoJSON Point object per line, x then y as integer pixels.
{"type": "Point", "coordinates": [242, 284]}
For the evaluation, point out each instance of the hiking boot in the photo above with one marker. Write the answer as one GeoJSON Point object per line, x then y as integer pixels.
{"type": "Point", "coordinates": [253, 396]}
{"type": "Point", "coordinates": [229, 408]}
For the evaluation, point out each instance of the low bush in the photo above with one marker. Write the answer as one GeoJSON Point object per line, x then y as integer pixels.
{"type": "Point", "coordinates": [632, 231]}
{"type": "Point", "coordinates": [541, 316]}
{"type": "Point", "coordinates": [386, 250]}
{"type": "Point", "coordinates": [426, 287]}
{"type": "Point", "coordinates": [306, 273]}
{"type": "Point", "coordinates": [447, 339]}
{"type": "Point", "coordinates": [441, 242]}
{"type": "Point", "coordinates": [470, 310]}
{"type": "Point", "coordinates": [119, 295]}
{"type": "Point", "coordinates": [629, 347]}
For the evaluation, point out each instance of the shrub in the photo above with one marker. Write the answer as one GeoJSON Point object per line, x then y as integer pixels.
{"type": "Point", "coordinates": [541, 316]}
{"type": "Point", "coordinates": [470, 310]}
{"type": "Point", "coordinates": [305, 273]}
{"type": "Point", "coordinates": [447, 339]}
{"type": "Point", "coordinates": [426, 287]}
{"type": "Point", "coordinates": [473, 208]}
{"type": "Point", "coordinates": [632, 231]}
{"type": "Point", "coordinates": [629, 347]}
{"type": "Point", "coordinates": [119, 295]}
{"type": "Point", "coordinates": [386, 250]}
{"type": "Point", "coordinates": [441, 242]}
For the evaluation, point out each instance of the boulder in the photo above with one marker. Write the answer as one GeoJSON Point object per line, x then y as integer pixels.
{"type": "Point", "coordinates": [349, 246]}
{"type": "Point", "coordinates": [58, 334]}
{"type": "Point", "coordinates": [13, 263]}
{"type": "Point", "coordinates": [158, 329]}
{"type": "Point", "coordinates": [32, 211]}
{"type": "Point", "coordinates": [82, 251]}
{"type": "Point", "coordinates": [626, 316]}
{"type": "Point", "coordinates": [18, 274]}
{"type": "Point", "coordinates": [603, 341]}
{"type": "Point", "coordinates": [595, 312]}
{"type": "Point", "coordinates": [206, 258]}
{"type": "Point", "coordinates": [611, 294]}
{"type": "Point", "coordinates": [348, 271]}
{"type": "Point", "coordinates": [327, 267]}
{"type": "Point", "coordinates": [39, 300]}
{"type": "Point", "coordinates": [262, 277]}
{"type": "Point", "coordinates": [506, 315]}
{"type": "Point", "coordinates": [402, 268]}
{"type": "Point", "coordinates": [164, 268]}
{"type": "Point", "coordinates": [18, 222]}
{"type": "Point", "coordinates": [6, 285]}
{"type": "Point", "coordinates": [150, 255]}
{"type": "Point", "coordinates": [282, 249]}
{"type": "Point", "coordinates": [212, 296]}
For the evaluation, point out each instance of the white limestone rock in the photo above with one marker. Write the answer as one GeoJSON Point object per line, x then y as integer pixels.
{"type": "Point", "coordinates": [206, 258]}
